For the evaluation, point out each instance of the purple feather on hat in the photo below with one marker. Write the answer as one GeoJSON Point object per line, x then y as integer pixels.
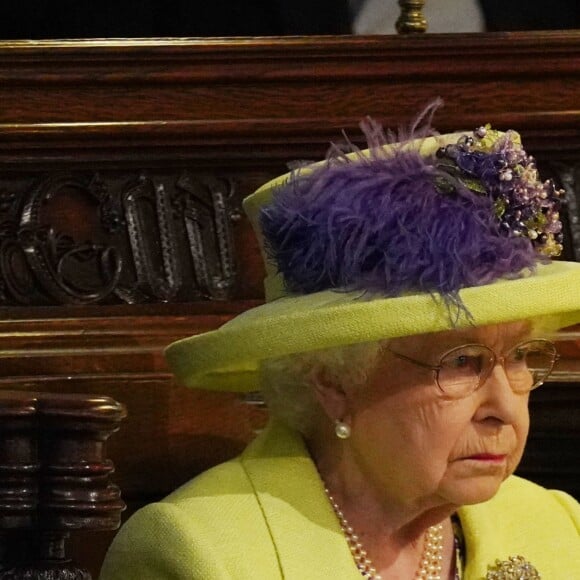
{"type": "Point", "coordinates": [388, 224]}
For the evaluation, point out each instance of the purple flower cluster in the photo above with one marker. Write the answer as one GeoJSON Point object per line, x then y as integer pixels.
{"type": "Point", "coordinates": [496, 165]}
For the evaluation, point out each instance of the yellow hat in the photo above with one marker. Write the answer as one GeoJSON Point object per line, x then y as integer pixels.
{"type": "Point", "coordinates": [300, 316]}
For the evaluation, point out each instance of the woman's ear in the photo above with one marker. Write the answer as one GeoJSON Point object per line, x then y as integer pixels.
{"type": "Point", "coordinates": [331, 396]}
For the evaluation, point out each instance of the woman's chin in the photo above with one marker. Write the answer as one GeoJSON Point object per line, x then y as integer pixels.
{"type": "Point", "coordinates": [471, 481]}
{"type": "Point", "coordinates": [473, 490]}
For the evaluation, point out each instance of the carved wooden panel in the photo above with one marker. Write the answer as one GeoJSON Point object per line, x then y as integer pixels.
{"type": "Point", "coordinates": [568, 175]}
{"type": "Point", "coordinates": [94, 237]}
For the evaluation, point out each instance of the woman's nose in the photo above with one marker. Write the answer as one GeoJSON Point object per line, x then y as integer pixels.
{"type": "Point", "coordinates": [498, 400]}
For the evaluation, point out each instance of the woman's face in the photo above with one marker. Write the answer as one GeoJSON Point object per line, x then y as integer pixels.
{"type": "Point", "coordinates": [428, 450]}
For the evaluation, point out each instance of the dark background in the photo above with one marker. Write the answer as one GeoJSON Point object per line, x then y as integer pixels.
{"type": "Point", "coordinates": [35, 19]}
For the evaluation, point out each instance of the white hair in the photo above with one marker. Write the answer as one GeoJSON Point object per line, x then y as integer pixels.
{"type": "Point", "coordinates": [287, 383]}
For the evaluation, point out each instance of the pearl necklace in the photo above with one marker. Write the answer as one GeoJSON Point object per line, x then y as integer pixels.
{"type": "Point", "coordinates": [431, 560]}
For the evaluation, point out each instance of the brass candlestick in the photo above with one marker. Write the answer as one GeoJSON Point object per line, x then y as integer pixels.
{"type": "Point", "coordinates": [412, 20]}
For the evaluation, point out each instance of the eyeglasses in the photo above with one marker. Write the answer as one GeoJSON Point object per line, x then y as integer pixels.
{"type": "Point", "coordinates": [462, 370]}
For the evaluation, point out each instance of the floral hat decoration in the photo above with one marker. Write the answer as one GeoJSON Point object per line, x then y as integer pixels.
{"type": "Point", "coordinates": [419, 233]}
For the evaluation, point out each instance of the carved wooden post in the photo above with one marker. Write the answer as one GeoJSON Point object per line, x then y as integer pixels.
{"type": "Point", "coordinates": [412, 20]}
{"type": "Point", "coordinates": [54, 478]}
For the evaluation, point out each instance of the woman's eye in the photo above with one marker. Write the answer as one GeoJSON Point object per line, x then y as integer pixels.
{"type": "Point", "coordinates": [460, 361]}
{"type": "Point", "coordinates": [471, 362]}
{"type": "Point", "coordinates": [467, 362]}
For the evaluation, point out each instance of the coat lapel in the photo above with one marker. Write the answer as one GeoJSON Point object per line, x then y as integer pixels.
{"type": "Point", "coordinates": [304, 528]}
{"type": "Point", "coordinates": [522, 520]}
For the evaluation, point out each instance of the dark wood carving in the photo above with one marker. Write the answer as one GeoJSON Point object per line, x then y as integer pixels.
{"type": "Point", "coordinates": [54, 479]}
{"type": "Point", "coordinates": [145, 237]}
{"type": "Point", "coordinates": [568, 175]}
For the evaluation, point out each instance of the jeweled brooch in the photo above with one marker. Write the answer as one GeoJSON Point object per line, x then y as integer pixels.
{"type": "Point", "coordinates": [514, 568]}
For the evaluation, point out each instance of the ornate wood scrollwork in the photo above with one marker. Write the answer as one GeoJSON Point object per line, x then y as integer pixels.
{"type": "Point", "coordinates": [152, 238]}
{"type": "Point", "coordinates": [213, 266]}
{"type": "Point", "coordinates": [569, 177]}
{"type": "Point", "coordinates": [147, 210]}
{"type": "Point", "coordinates": [51, 254]}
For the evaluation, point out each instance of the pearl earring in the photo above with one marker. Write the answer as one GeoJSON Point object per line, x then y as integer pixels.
{"type": "Point", "coordinates": [341, 429]}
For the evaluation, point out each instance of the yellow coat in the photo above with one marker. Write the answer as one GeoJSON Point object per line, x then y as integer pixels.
{"type": "Point", "coordinates": [264, 516]}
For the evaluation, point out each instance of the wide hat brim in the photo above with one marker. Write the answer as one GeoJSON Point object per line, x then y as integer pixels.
{"type": "Point", "coordinates": [228, 358]}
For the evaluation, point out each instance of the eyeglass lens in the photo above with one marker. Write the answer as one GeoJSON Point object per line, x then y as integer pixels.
{"type": "Point", "coordinates": [463, 369]}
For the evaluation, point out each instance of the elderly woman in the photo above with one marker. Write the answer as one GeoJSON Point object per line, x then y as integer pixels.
{"type": "Point", "coordinates": [410, 290]}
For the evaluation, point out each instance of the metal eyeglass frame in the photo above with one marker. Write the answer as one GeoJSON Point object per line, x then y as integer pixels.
{"type": "Point", "coordinates": [494, 358]}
